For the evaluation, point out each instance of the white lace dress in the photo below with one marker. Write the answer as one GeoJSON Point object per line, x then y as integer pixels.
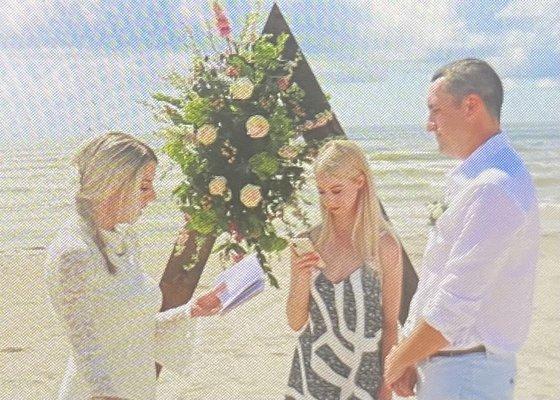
{"type": "Point", "coordinates": [113, 323]}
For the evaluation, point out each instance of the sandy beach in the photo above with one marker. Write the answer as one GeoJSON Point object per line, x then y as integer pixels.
{"type": "Point", "coordinates": [244, 355]}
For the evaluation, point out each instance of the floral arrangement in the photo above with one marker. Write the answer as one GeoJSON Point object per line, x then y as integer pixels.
{"type": "Point", "coordinates": [234, 127]}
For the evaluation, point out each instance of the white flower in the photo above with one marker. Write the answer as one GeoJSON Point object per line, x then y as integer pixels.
{"type": "Point", "coordinates": [288, 152]}
{"type": "Point", "coordinates": [298, 141]}
{"type": "Point", "coordinates": [187, 130]}
{"type": "Point", "coordinates": [207, 134]}
{"type": "Point", "coordinates": [242, 89]}
{"type": "Point", "coordinates": [257, 126]}
{"type": "Point", "coordinates": [217, 186]}
{"type": "Point", "coordinates": [436, 210]}
{"type": "Point", "coordinates": [228, 196]}
{"type": "Point", "coordinates": [251, 196]}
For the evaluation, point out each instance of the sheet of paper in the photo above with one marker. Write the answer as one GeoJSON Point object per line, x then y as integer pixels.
{"type": "Point", "coordinates": [243, 280]}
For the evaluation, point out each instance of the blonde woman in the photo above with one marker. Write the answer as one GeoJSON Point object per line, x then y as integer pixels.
{"type": "Point", "coordinates": [107, 303]}
{"type": "Point", "coordinates": [346, 312]}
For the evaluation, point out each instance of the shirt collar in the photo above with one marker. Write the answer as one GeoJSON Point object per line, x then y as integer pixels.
{"type": "Point", "coordinates": [117, 239]}
{"type": "Point", "coordinates": [475, 162]}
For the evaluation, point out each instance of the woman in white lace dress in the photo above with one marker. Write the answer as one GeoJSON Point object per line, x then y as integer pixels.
{"type": "Point", "coordinates": [108, 305]}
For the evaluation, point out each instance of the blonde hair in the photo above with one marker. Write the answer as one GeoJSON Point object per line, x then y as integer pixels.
{"type": "Point", "coordinates": [112, 163]}
{"type": "Point", "coordinates": [344, 159]}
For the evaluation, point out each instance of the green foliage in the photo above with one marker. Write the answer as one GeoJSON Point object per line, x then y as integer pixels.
{"type": "Point", "coordinates": [295, 92]}
{"type": "Point", "coordinates": [264, 165]}
{"type": "Point", "coordinates": [204, 221]}
{"type": "Point", "coordinates": [267, 53]}
{"type": "Point", "coordinates": [175, 102]}
{"type": "Point", "coordinates": [198, 111]}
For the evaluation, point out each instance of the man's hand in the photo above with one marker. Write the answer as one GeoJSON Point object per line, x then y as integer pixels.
{"type": "Point", "coordinates": [404, 387]}
{"type": "Point", "coordinates": [208, 304]}
{"type": "Point", "coordinates": [394, 368]}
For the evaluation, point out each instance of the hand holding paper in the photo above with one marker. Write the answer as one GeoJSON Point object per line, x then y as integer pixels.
{"type": "Point", "coordinates": [243, 281]}
{"type": "Point", "coordinates": [210, 303]}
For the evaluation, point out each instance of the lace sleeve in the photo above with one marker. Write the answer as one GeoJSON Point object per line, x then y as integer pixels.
{"type": "Point", "coordinates": [173, 318]}
{"type": "Point", "coordinates": [71, 292]}
{"type": "Point", "coordinates": [174, 335]}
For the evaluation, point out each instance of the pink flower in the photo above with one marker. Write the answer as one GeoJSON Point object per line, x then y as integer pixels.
{"type": "Point", "coordinates": [222, 21]}
{"type": "Point", "coordinates": [284, 83]}
{"type": "Point", "coordinates": [183, 237]}
{"type": "Point", "coordinates": [234, 231]}
{"type": "Point", "coordinates": [232, 72]}
{"type": "Point", "coordinates": [237, 257]}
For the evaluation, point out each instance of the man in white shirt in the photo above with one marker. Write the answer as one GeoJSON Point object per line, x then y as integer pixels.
{"type": "Point", "coordinates": [472, 309]}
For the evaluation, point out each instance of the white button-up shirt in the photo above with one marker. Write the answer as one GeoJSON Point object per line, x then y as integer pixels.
{"type": "Point", "coordinates": [478, 271]}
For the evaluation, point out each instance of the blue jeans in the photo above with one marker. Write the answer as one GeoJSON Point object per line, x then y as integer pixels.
{"type": "Point", "coordinates": [477, 376]}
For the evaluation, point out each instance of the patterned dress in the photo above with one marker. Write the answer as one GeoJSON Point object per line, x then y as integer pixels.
{"type": "Point", "coordinates": [337, 356]}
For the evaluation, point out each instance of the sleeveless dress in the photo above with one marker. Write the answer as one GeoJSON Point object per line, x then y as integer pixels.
{"type": "Point", "coordinates": [113, 324]}
{"type": "Point", "coordinates": [338, 350]}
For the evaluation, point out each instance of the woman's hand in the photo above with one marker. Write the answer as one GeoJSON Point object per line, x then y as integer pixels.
{"type": "Point", "coordinates": [297, 307]}
{"type": "Point", "coordinates": [385, 393]}
{"type": "Point", "coordinates": [302, 266]}
{"type": "Point", "coordinates": [209, 303]}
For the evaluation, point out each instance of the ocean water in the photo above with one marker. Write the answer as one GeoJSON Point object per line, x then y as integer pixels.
{"type": "Point", "coordinates": [37, 182]}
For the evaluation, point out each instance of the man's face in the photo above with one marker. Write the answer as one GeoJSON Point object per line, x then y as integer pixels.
{"type": "Point", "coordinates": [446, 119]}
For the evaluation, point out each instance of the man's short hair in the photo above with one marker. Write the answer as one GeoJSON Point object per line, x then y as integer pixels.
{"type": "Point", "coordinates": [473, 76]}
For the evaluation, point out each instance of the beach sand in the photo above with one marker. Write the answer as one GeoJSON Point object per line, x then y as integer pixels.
{"type": "Point", "coordinates": [243, 355]}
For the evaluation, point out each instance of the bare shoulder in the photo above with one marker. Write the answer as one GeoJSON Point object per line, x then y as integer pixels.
{"type": "Point", "coordinates": [389, 250]}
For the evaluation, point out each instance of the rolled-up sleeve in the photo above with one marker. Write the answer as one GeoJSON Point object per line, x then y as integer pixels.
{"type": "Point", "coordinates": [489, 229]}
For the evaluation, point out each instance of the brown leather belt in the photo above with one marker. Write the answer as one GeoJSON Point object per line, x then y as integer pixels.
{"type": "Point", "coordinates": [452, 353]}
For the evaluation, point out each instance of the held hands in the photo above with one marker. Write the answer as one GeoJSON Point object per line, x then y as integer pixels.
{"type": "Point", "coordinates": [398, 377]}
{"type": "Point", "coordinates": [404, 387]}
{"type": "Point", "coordinates": [395, 369]}
{"type": "Point", "coordinates": [209, 303]}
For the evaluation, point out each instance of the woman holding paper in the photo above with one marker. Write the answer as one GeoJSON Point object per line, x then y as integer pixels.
{"type": "Point", "coordinates": [107, 303]}
{"type": "Point", "coordinates": [346, 323]}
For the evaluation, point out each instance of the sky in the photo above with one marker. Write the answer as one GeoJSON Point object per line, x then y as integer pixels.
{"type": "Point", "coordinates": [68, 67]}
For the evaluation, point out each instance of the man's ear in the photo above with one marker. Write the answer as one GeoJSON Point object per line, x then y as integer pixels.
{"type": "Point", "coordinates": [472, 105]}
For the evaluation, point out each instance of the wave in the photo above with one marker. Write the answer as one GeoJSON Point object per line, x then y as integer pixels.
{"type": "Point", "coordinates": [550, 218]}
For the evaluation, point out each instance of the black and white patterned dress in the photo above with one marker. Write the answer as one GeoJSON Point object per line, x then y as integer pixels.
{"type": "Point", "coordinates": [337, 355]}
